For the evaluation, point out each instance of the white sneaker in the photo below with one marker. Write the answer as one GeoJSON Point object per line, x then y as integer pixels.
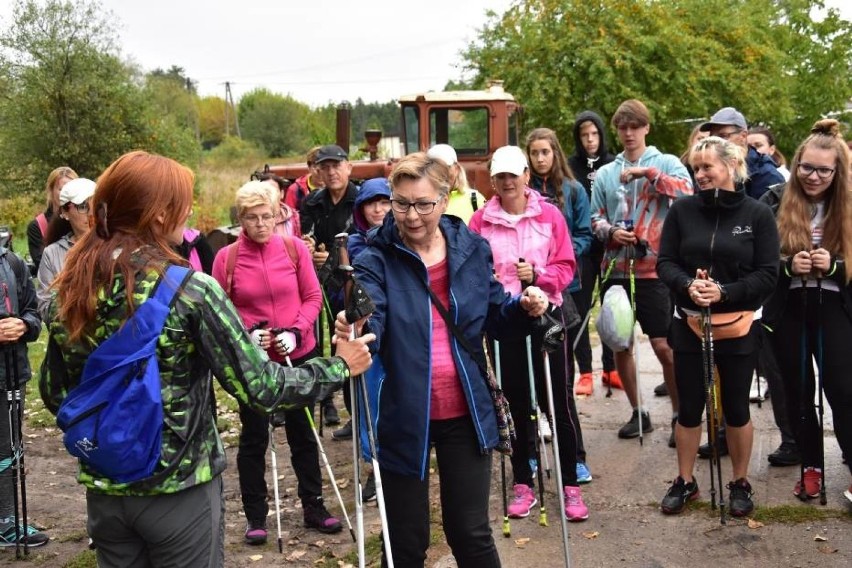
{"type": "Point", "coordinates": [544, 427]}
{"type": "Point", "coordinates": [757, 393]}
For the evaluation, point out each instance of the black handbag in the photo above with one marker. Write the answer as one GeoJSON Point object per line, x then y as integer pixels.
{"type": "Point", "coordinates": [505, 423]}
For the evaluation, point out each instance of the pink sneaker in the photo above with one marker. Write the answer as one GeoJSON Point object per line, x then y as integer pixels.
{"type": "Point", "coordinates": [575, 509]}
{"type": "Point", "coordinates": [523, 501]}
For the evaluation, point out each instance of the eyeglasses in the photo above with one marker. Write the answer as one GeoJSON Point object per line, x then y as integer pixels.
{"type": "Point", "coordinates": [727, 135]}
{"type": "Point", "coordinates": [264, 219]}
{"type": "Point", "coordinates": [421, 207]}
{"type": "Point", "coordinates": [821, 171]}
{"type": "Point", "coordinates": [82, 207]}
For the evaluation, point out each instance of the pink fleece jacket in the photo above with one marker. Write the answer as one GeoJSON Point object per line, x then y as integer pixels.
{"type": "Point", "coordinates": [268, 286]}
{"type": "Point", "coordinates": [539, 235]}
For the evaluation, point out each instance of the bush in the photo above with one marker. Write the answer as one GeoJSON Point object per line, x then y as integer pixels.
{"type": "Point", "coordinates": [18, 211]}
{"type": "Point", "coordinates": [235, 152]}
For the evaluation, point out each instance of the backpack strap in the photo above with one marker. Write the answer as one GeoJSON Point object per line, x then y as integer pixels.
{"type": "Point", "coordinates": [42, 224]}
{"type": "Point", "coordinates": [173, 280]}
{"type": "Point", "coordinates": [230, 263]}
{"type": "Point", "coordinates": [473, 202]}
{"type": "Point", "coordinates": [291, 250]}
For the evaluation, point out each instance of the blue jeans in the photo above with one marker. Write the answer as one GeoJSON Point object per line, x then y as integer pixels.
{"type": "Point", "coordinates": [465, 486]}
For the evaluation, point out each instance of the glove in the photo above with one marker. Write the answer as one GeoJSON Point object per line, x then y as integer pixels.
{"type": "Point", "coordinates": [551, 331]}
{"type": "Point", "coordinates": [286, 342]}
{"type": "Point", "coordinates": [257, 336]}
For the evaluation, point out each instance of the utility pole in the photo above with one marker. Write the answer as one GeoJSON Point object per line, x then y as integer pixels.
{"type": "Point", "coordinates": [229, 103]}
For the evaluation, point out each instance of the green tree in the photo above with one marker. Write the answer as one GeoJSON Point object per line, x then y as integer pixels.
{"type": "Point", "coordinates": [683, 58]}
{"type": "Point", "coordinates": [68, 99]}
{"type": "Point", "coordinates": [211, 120]}
{"type": "Point", "coordinates": [276, 122]}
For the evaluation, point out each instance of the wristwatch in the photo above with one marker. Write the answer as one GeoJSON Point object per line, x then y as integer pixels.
{"type": "Point", "coordinates": [723, 292]}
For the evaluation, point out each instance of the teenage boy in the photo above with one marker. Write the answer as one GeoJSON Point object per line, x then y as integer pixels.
{"type": "Point", "coordinates": [590, 154]}
{"type": "Point", "coordinates": [630, 199]}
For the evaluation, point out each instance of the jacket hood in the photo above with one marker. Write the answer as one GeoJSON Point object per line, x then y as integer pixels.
{"type": "Point", "coordinates": [494, 212]}
{"type": "Point", "coordinates": [647, 158]}
{"type": "Point", "coordinates": [372, 188]}
{"type": "Point", "coordinates": [586, 116]}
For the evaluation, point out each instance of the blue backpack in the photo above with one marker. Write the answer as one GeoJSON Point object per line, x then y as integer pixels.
{"type": "Point", "coordinates": [113, 420]}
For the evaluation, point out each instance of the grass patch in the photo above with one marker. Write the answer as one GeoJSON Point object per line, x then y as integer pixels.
{"type": "Point", "coordinates": [372, 551]}
{"type": "Point", "coordinates": [77, 536]}
{"type": "Point", "coordinates": [797, 514]}
{"type": "Point", "coordinates": [85, 559]}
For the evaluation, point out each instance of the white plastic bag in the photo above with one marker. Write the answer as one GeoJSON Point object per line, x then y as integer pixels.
{"type": "Point", "coordinates": [615, 320]}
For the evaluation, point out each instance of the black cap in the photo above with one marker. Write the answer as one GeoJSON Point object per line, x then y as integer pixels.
{"type": "Point", "coordinates": [331, 152]}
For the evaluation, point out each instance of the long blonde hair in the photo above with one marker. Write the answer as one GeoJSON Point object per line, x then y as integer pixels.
{"type": "Point", "coordinates": [794, 212]}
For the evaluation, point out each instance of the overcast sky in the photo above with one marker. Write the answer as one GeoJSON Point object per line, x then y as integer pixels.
{"type": "Point", "coordinates": [315, 50]}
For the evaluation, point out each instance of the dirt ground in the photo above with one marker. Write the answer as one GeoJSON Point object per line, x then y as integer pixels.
{"type": "Point", "coordinates": [625, 527]}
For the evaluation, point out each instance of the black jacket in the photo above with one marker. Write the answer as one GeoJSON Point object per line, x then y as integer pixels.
{"type": "Point", "coordinates": [730, 235]}
{"type": "Point", "coordinates": [325, 219]}
{"type": "Point", "coordinates": [22, 303]}
{"type": "Point", "coordinates": [583, 167]}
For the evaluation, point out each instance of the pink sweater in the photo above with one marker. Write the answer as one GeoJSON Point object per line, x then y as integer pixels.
{"type": "Point", "coordinates": [268, 286]}
{"type": "Point", "coordinates": [539, 235]}
{"type": "Point", "coordinates": [448, 399]}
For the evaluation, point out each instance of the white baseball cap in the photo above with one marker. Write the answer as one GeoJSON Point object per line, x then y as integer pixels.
{"type": "Point", "coordinates": [76, 191]}
{"type": "Point", "coordinates": [443, 152]}
{"type": "Point", "coordinates": [510, 160]}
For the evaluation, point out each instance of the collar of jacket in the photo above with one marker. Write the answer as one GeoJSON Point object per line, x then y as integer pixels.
{"type": "Point", "coordinates": [495, 214]}
{"type": "Point", "coordinates": [721, 198]}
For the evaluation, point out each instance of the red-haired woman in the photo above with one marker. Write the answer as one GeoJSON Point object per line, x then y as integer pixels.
{"type": "Point", "coordinates": [140, 207]}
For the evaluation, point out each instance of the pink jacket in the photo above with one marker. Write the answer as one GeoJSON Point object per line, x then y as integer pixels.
{"type": "Point", "coordinates": [539, 236]}
{"type": "Point", "coordinates": [268, 286]}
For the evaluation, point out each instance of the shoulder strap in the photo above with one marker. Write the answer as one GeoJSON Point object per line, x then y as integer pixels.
{"type": "Point", "coordinates": [473, 202]}
{"type": "Point", "coordinates": [42, 224]}
{"type": "Point", "coordinates": [8, 282]}
{"type": "Point", "coordinates": [230, 263]}
{"type": "Point", "coordinates": [291, 250]}
{"type": "Point", "coordinates": [445, 314]}
{"type": "Point", "coordinates": [172, 281]}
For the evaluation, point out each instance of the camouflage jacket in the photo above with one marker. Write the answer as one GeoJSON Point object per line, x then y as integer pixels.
{"type": "Point", "coordinates": [202, 334]}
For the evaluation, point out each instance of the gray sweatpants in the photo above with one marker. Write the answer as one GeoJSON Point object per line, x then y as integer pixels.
{"type": "Point", "coordinates": [178, 530]}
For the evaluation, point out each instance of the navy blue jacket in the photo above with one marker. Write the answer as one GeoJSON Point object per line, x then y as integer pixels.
{"type": "Point", "coordinates": [393, 275]}
{"type": "Point", "coordinates": [762, 173]}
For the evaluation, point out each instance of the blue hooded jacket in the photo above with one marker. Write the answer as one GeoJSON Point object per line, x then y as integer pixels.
{"type": "Point", "coordinates": [395, 278]}
{"type": "Point", "coordinates": [372, 188]}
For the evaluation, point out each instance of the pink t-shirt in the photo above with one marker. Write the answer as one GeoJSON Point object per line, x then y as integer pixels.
{"type": "Point", "coordinates": [448, 400]}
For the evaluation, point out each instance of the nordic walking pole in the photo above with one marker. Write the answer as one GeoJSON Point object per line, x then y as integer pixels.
{"type": "Point", "coordinates": [325, 462]}
{"type": "Point", "coordinates": [22, 472]}
{"type": "Point", "coordinates": [713, 417]}
{"type": "Point", "coordinates": [358, 306]}
{"type": "Point", "coordinates": [631, 251]}
{"type": "Point", "coordinates": [507, 528]}
{"type": "Point", "coordinates": [10, 362]}
{"type": "Point", "coordinates": [804, 379]}
{"type": "Point", "coordinates": [821, 405]}
{"type": "Point", "coordinates": [274, 454]}
{"type": "Point", "coordinates": [542, 509]}
{"type": "Point", "coordinates": [707, 365]}
{"type": "Point", "coordinates": [548, 385]}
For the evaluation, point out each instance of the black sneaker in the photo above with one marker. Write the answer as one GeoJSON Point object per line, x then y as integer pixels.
{"type": "Point", "coordinates": [661, 390]}
{"type": "Point", "coordinates": [672, 442]}
{"type": "Point", "coordinates": [344, 433]}
{"type": "Point", "coordinates": [631, 429]}
{"type": "Point", "coordinates": [29, 535]}
{"type": "Point", "coordinates": [678, 495]}
{"type": "Point", "coordinates": [739, 497]}
{"type": "Point", "coordinates": [329, 413]}
{"type": "Point", "coordinates": [786, 454]}
{"type": "Point", "coordinates": [317, 517]}
{"type": "Point", "coordinates": [369, 492]}
{"type": "Point", "coordinates": [704, 449]}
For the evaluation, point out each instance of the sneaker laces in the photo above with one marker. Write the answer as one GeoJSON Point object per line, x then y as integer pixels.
{"type": "Point", "coordinates": [573, 498]}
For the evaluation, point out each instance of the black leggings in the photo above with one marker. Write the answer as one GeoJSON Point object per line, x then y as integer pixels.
{"type": "Point", "coordinates": [735, 373]}
{"type": "Point", "coordinates": [516, 385]}
{"type": "Point", "coordinates": [827, 323]}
